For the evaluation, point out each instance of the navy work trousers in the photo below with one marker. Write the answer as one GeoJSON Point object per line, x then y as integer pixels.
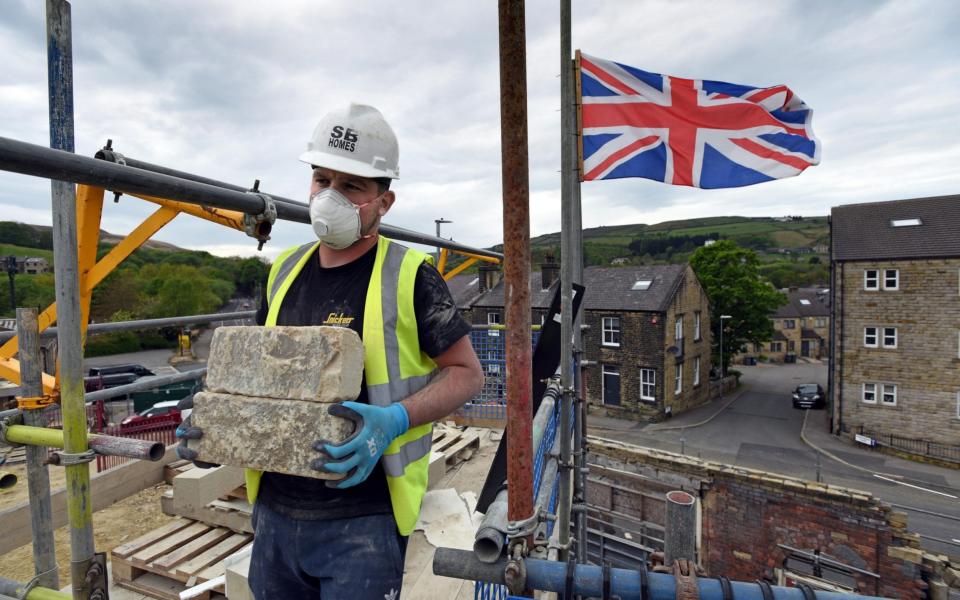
{"type": "Point", "coordinates": [357, 558]}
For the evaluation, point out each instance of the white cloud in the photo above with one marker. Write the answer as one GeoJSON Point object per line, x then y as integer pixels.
{"type": "Point", "coordinates": [232, 91]}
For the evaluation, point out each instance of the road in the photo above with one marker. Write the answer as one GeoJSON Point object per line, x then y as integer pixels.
{"type": "Point", "coordinates": [761, 430]}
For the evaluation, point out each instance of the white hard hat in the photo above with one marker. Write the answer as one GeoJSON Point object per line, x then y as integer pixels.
{"type": "Point", "coordinates": [355, 140]}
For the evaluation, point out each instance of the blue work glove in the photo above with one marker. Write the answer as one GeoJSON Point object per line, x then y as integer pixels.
{"type": "Point", "coordinates": [185, 431]}
{"type": "Point", "coordinates": [377, 426]}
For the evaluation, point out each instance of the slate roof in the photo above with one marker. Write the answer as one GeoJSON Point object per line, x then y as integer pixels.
{"type": "Point", "coordinates": [818, 304]}
{"type": "Point", "coordinates": [465, 288]}
{"type": "Point", "coordinates": [809, 333]}
{"type": "Point", "coordinates": [864, 232]}
{"type": "Point", "coordinates": [608, 288]}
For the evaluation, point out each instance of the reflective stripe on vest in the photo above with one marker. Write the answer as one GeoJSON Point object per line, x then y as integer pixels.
{"type": "Point", "coordinates": [394, 365]}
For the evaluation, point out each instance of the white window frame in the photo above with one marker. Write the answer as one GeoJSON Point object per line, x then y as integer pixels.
{"type": "Point", "coordinates": [884, 337]}
{"type": "Point", "coordinates": [696, 326]}
{"type": "Point", "coordinates": [875, 335]}
{"type": "Point", "coordinates": [696, 371]}
{"type": "Point", "coordinates": [896, 279]}
{"type": "Point", "coordinates": [678, 328]}
{"type": "Point", "coordinates": [883, 394]}
{"type": "Point", "coordinates": [611, 330]}
{"type": "Point", "coordinates": [650, 385]}
{"type": "Point", "coordinates": [957, 416]}
{"type": "Point", "coordinates": [678, 379]}
{"type": "Point", "coordinates": [603, 383]}
{"type": "Point", "coordinates": [872, 391]}
{"type": "Point", "coordinates": [875, 280]}
{"type": "Point", "coordinates": [494, 318]}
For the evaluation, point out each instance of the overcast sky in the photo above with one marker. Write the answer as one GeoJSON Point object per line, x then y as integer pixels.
{"type": "Point", "coordinates": [232, 90]}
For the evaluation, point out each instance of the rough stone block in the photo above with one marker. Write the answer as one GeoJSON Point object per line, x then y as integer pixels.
{"type": "Point", "coordinates": [270, 434]}
{"type": "Point", "coordinates": [323, 364]}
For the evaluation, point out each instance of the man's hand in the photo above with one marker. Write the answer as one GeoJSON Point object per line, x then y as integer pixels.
{"type": "Point", "coordinates": [357, 456]}
{"type": "Point", "coordinates": [185, 431]}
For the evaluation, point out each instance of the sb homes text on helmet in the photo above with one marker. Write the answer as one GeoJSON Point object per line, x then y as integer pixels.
{"type": "Point", "coordinates": [345, 139]}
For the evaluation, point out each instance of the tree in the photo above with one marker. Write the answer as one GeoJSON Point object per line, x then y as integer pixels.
{"type": "Point", "coordinates": [731, 278]}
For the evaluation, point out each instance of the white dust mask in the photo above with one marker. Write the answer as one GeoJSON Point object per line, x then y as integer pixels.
{"type": "Point", "coordinates": [336, 220]}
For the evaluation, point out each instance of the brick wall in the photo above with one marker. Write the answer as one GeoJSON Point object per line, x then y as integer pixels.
{"type": "Point", "coordinates": [746, 513]}
{"type": "Point", "coordinates": [924, 366]}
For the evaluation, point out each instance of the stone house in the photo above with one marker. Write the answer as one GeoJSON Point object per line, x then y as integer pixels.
{"type": "Point", "coordinates": [801, 327]}
{"type": "Point", "coordinates": [648, 341]}
{"type": "Point", "coordinates": [896, 314]}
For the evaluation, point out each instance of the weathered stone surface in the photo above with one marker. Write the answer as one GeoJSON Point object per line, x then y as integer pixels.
{"type": "Point", "coordinates": [270, 434]}
{"type": "Point", "coordinates": [323, 364]}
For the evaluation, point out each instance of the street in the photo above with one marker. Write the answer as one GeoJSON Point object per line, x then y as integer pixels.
{"type": "Point", "coordinates": [762, 430]}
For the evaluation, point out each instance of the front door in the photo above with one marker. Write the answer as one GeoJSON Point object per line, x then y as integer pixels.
{"type": "Point", "coordinates": [805, 348]}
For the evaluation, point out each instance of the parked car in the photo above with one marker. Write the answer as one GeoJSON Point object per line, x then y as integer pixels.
{"type": "Point", "coordinates": [160, 412]}
{"type": "Point", "coordinates": [102, 382]}
{"type": "Point", "coordinates": [809, 395]}
{"type": "Point", "coordinates": [138, 370]}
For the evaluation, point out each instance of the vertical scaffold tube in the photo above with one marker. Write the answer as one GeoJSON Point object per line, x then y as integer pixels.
{"type": "Point", "coordinates": [38, 475]}
{"type": "Point", "coordinates": [66, 277]}
{"type": "Point", "coordinates": [516, 242]}
{"type": "Point", "coordinates": [567, 271]}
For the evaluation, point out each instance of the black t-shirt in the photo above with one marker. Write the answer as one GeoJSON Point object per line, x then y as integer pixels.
{"type": "Point", "coordinates": [336, 296]}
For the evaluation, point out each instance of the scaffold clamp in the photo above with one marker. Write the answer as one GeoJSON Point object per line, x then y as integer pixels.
{"type": "Point", "coordinates": [65, 459]}
{"type": "Point", "coordinates": [35, 402]}
{"type": "Point", "coordinates": [259, 226]}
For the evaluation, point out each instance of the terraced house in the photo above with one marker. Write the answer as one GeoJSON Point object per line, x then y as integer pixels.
{"type": "Point", "coordinates": [801, 328]}
{"type": "Point", "coordinates": [648, 340]}
{"type": "Point", "coordinates": [895, 374]}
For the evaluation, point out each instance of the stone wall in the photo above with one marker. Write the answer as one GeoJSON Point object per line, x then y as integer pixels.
{"type": "Point", "coordinates": [689, 299]}
{"type": "Point", "coordinates": [924, 366]}
{"type": "Point", "coordinates": [745, 514]}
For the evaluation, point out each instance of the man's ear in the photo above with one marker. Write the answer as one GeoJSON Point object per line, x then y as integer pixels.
{"type": "Point", "coordinates": [386, 201]}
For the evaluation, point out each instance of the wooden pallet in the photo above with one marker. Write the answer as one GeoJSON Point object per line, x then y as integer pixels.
{"type": "Point", "coordinates": [178, 555]}
{"type": "Point", "coordinates": [175, 468]}
{"type": "Point", "coordinates": [456, 445]}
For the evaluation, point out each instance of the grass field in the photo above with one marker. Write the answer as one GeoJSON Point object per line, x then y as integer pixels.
{"type": "Point", "coordinates": [23, 252]}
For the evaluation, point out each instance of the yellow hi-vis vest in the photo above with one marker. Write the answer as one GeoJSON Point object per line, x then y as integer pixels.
{"type": "Point", "coordinates": [394, 365]}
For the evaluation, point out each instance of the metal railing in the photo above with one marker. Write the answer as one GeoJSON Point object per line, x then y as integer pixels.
{"type": "Point", "coordinates": [947, 452]}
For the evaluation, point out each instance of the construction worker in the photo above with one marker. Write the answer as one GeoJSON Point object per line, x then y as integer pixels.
{"type": "Point", "coordinates": [347, 538]}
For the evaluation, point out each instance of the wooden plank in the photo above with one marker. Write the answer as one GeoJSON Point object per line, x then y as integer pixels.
{"type": "Point", "coordinates": [124, 571]}
{"type": "Point", "coordinates": [158, 586]}
{"type": "Point", "coordinates": [128, 548]}
{"type": "Point", "coordinates": [106, 488]}
{"type": "Point", "coordinates": [469, 441]}
{"type": "Point", "coordinates": [168, 543]}
{"type": "Point", "coordinates": [446, 442]}
{"type": "Point", "coordinates": [187, 551]}
{"type": "Point", "coordinates": [213, 555]}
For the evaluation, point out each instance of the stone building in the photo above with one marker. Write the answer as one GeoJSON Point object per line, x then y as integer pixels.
{"type": "Point", "coordinates": [896, 311]}
{"type": "Point", "coordinates": [801, 328]}
{"type": "Point", "coordinates": [648, 340]}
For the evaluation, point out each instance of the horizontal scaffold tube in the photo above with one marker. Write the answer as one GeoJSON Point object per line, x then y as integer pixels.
{"type": "Point", "coordinates": [40, 161]}
{"type": "Point", "coordinates": [106, 445]}
{"type": "Point", "coordinates": [144, 383]}
{"type": "Point", "coordinates": [14, 589]}
{"type": "Point", "coordinates": [550, 576]}
{"type": "Point", "coordinates": [140, 324]}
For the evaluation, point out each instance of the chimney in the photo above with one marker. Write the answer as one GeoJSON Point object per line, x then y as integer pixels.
{"type": "Point", "coordinates": [549, 270]}
{"type": "Point", "coordinates": [489, 275]}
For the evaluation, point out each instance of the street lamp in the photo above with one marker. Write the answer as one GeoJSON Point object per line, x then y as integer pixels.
{"type": "Point", "coordinates": [440, 222]}
{"type": "Point", "coordinates": [722, 317]}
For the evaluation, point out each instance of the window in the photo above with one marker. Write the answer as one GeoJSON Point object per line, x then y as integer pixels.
{"type": "Point", "coordinates": [611, 385]}
{"type": "Point", "coordinates": [889, 394]}
{"type": "Point", "coordinates": [696, 326]}
{"type": "Point", "coordinates": [870, 337]}
{"type": "Point", "coordinates": [871, 279]}
{"type": "Point", "coordinates": [696, 371]}
{"type": "Point", "coordinates": [648, 385]}
{"type": "Point", "coordinates": [776, 346]}
{"type": "Point", "coordinates": [804, 302]}
{"type": "Point", "coordinates": [870, 393]}
{"type": "Point", "coordinates": [642, 285]}
{"type": "Point", "coordinates": [493, 318]}
{"type": "Point", "coordinates": [678, 382]}
{"type": "Point", "coordinates": [789, 324]}
{"type": "Point", "coordinates": [791, 346]}
{"type": "Point", "coordinates": [958, 405]}
{"type": "Point", "coordinates": [905, 222]}
{"type": "Point", "coordinates": [891, 279]}
{"type": "Point", "coordinates": [889, 337]}
{"type": "Point", "coordinates": [821, 322]}
{"type": "Point", "coordinates": [678, 328]}
{"type": "Point", "coordinates": [611, 331]}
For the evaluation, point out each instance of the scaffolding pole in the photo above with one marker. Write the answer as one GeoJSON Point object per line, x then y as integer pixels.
{"type": "Point", "coordinates": [516, 244]}
{"type": "Point", "coordinates": [38, 474]}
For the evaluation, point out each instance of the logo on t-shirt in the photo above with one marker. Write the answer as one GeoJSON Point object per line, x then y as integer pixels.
{"type": "Point", "coordinates": [335, 319]}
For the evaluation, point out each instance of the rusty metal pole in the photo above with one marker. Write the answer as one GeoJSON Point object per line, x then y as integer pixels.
{"type": "Point", "coordinates": [516, 250]}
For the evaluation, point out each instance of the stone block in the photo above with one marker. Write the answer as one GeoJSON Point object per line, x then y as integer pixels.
{"type": "Point", "coordinates": [270, 434]}
{"type": "Point", "coordinates": [910, 555]}
{"type": "Point", "coordinates": [322, 364]}
{"type": "Point", "coordinates": [193, 489]}
{"type": "Point", "coordinates": [237, 586]}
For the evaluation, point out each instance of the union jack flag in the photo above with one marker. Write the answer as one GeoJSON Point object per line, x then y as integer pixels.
{"type": "Point", "coordinates": [695, 132]}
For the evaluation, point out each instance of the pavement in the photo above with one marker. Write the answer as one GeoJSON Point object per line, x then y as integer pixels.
{"type": "Point", "coordinates": [758, 427]}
